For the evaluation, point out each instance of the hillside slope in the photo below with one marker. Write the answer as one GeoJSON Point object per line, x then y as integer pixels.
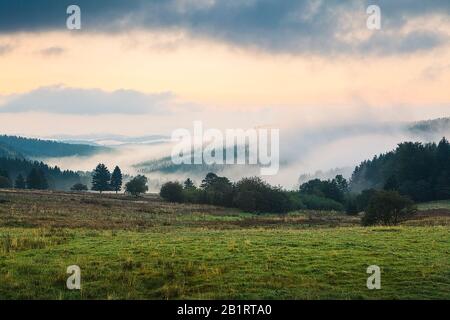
{"type": "Point", "coordinates": [9, 153]}
{"type": "Point", "coordinates": [36, 148]}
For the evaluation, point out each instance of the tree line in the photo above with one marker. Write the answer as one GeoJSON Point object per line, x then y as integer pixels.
{"type": "Point", "coordinates": [419, 171]}
{"type": "Point", "coordinates": [249, 194]}
{"type": "Point", "coordinates": [24, 174]}
{"type": "Point", "coordinates": [256, 196]}
{"type": "Point", "coordinates": [34, 180]}
{"type": "Point", "coordinates": [21, 173]}
{"type": "Point", "coordinates": [384, 188]}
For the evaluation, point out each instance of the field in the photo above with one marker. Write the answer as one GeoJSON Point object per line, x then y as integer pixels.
{"type": "Point", "coordinates": [145, 248]}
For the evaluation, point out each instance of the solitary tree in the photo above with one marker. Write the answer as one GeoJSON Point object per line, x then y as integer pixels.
{"type": "Point", "coordinates": [116, 179]}
{"type": "Point", "coordinates": [100, 178]}
{"type": "Point", "coordinates": [388, 208]}
{"type": "Point", "coordinates": [137, 185]}
{"type": "Point", "coordinates": [20, 182]}
{"type": "Point", "coordinates": [172, 191]}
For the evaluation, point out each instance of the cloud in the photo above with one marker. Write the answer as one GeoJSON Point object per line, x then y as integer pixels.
{"type": "Point", "coordinates": [288, 26]}
{"type": "Point", "coordinates": [52, 51]}
{"type": "Point", "coordinates": [435, 71]}
{"type": "Point", "coordinates": [5, 48]}
{"type": "Point", "coordinates": [63, 100]}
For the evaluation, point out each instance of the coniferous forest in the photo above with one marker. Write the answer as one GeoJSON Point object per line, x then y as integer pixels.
{"type": "Point", "coordinates": [420, 171]}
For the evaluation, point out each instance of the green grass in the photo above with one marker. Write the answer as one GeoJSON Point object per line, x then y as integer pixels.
{"type": "Point", "coordinates": [148, 249]}
{"type": "Point", "coordinates": [231, 264]}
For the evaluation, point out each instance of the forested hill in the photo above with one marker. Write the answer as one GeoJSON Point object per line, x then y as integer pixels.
{"type": "Point", "coordinates": [430, 127]}
{"type": "Point", "coordinates": [8, 152]}
{"type": "Point", "coordinates": [421, 171]}
{"type": "Point", "coordinates": [18, 147]}
{"type": "Point", "coordinates": [57, 179]}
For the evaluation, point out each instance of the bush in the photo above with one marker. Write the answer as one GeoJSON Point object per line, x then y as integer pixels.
{"type": "Point", "coordinates": [333, 189]}
{"type": "Point", "coordinates": [351, 207]}
{"type": "Point", "coordinates": [217, 190]}
{"type": "Point", "coordinates": [249, 194]}
{"type": "Point", "coordinates": [295, 201]}
{"type": "Point", "coordinates": [137, 185]}
{"type": "Point", "coordinates": [313, 202]}
{"type": "Point", "coordinates": [192, 195]}
{"type": "Point", "coordinates": [172, 192]}
{"type": "Point", "coordinates": [388, 208]}
{"type": "Point", "coordinates": [247, 200]}
{"type": "Point", "coordinates": [255, 195]}
{"type": "Point", "coordinates": [362, 200]}
{"type": "Point", "coordinates": [79, 187]}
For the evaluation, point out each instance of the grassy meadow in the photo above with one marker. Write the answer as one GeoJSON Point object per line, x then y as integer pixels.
{"type": "Point", "coordinates": [145, 248]}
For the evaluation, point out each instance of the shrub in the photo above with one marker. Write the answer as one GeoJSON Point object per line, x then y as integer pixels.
{"type": "Point", "coordinates": [351, 207]}
{"type": "Point", "coordinates": [79, 187]}
{"type": "Point", "coordinates": [333, 189]}
{"type": "Point", "coordinates": [217, 190]}
{"type": "Point", "coordinates": [362, 200]}
{"type": "Point", "coordinates": [137, 185]}
{"type": "Point", "coordinates": [313, 202]}
{"type": "Point", "coordinates": [172, 192]}
{"type": "Point", "coordinates": [279, 200]}
{"type": "Point", "coordinates": [388, 208]}
{"type": "Point", "coordinates": [255, 195]}
{"type": "Point", "coordinates": [246, 200]}
{"type": "Point", "coordinates": [192, 195]}
{"type": "Point", "coordinates": [295, 201]}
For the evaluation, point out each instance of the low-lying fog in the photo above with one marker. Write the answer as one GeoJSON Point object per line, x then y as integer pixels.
{"type": "Point", "coordinates": [302, 152]}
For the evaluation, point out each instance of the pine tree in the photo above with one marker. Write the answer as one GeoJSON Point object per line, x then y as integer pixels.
{"type": "Point", "coordinates": [20, 182]}
{"type": "Point", "coordinates": [188, 184]}
{"type": "Point", "coordinates": [116, 179]}
{"type": "Point", "coordinates": [443, 155]}
{"type": "Point", "coordinates": [36, 180]}
{"type": "Point", "coordinates": [442, 186]}
{"type": "Point", "coordinates": [43, 180]}
{"type": "Point", "coordinates": [101, 178]}
{"type": "Point", "coordinates": [33, 179]}
{"type": "Point", "coordinates": [5, 181]}
{"type": "Point", "coordinates": [4, 173]}
{"type": "Point", "coordinates": [391, 184]}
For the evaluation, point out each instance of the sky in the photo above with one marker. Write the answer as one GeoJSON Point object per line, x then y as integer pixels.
{"type": "Point", "coordinates": [151, 66]}
{"type": "Point", "coordinates": [148, 67]}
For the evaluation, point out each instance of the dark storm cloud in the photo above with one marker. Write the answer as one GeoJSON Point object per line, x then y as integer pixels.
{"type": "Point", "coordinates": [293, 26]}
